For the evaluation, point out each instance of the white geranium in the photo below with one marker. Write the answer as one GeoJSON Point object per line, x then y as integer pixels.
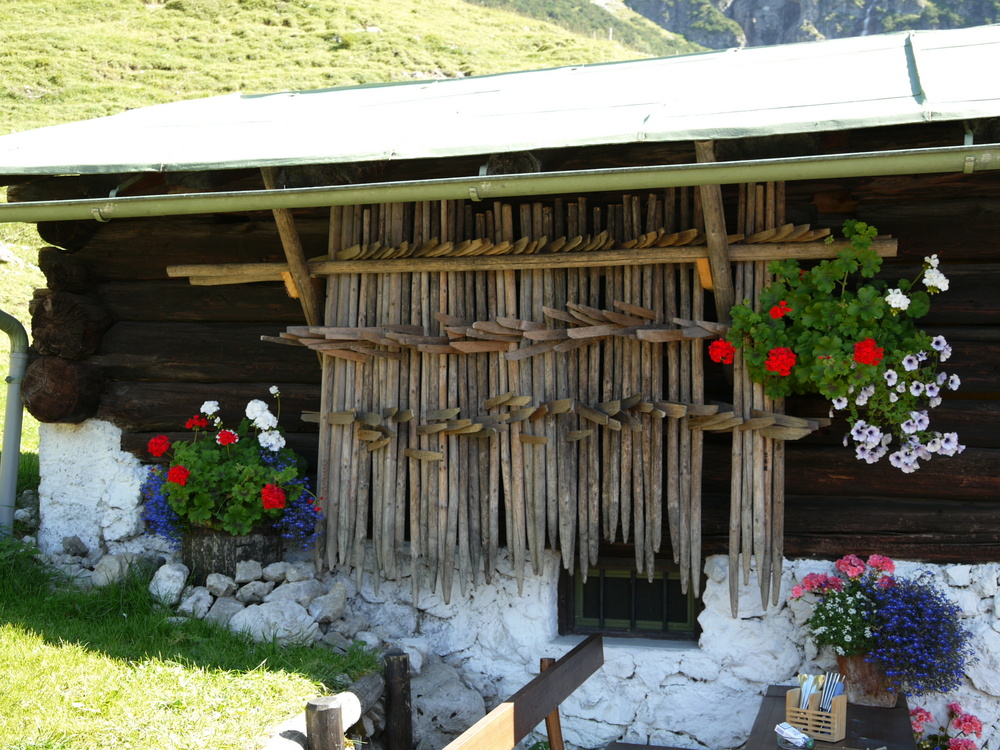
{"type": "Point", "coordinates": [897, 300]}
{"type": "Point", "coordinates": [209, 408]}
{"type": "Point", "coordinates": [255, 408]}
{"type": "Point", "coordinates": [935, 281]}
{"type": "Point", "coordinates": [271, 440]}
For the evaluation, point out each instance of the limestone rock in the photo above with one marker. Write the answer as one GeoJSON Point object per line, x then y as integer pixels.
{"type": "Point", "coordinates": [247, 571]}
{"type": "Point", "coordinates": [302, 592]}
{"type": "Point", "coordinates": [281, 621]}
{"type": "Point", "coordinates": [329, 606]}
{"type": "Point", "coordinates": [275, 572]}
{"type": "Point", "coordinates": [72, 545]}
{"type": "Point", "coordinates": [168, 583]}
{"type": "Point", "coordinates": [224, 609]}
{"type": "Point", "coordinates": [300, 572]}
{"type": "Point", "coordinates": [220, 585]}
{"type": "Point", "coordinates": [443, 707]}
{"type": "Point", "coordinates": [254, 591]}
{"type": "Point", "coordinates": [112, 568]}
{"type": "Point", "coordinates": [197, 603]}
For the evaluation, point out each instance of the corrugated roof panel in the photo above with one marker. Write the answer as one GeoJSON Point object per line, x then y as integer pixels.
{"type": "Point", "coordinates": [815, 86]}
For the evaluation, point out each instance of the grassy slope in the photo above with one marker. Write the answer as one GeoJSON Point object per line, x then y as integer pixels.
{"type": "Point", "coordinates": [68, 60]}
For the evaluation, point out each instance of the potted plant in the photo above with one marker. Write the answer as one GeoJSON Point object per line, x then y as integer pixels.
{"type": "Point", "coordinates": [890, 634]}
{"type": "Point", "coordinates": [836, 331]}
{"type": "Point", "coordinates": [229, 493]}
{"type": "Point", "coordinates": [965, 725]}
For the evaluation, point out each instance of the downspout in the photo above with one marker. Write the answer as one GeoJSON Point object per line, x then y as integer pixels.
{"type": "Point", "coordinates": [942, 159]}
{"type": "Point", "coordinates": [12, 420]}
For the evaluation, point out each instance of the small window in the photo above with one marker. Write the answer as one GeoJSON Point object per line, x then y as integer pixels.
{"type": "Point", "coordinates": [617, 601]}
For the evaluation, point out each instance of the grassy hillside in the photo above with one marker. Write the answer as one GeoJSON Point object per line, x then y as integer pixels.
{"type": "Point", "coordinates": [67, 60]}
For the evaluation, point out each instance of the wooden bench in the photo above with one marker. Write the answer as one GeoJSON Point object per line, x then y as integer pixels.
{"type": "Point", "coordinates": [539, 700]}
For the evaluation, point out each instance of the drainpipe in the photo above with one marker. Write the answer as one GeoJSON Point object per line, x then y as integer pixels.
{"type": "Point", "coordinates": [944, 159]}
{"type": "Point", "coordinates": [12, 420]}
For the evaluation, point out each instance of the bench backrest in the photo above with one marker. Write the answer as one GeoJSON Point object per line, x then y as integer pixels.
{"type": "Point", "coordinates": [511, 721]}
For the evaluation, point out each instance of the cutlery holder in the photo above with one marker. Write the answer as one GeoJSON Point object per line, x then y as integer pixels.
{"type": "Point", "coordinates": [820, 725]}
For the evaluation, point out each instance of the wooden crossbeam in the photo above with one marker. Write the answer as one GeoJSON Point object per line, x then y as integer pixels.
{"type": "Point", "coordinates": [243, 272]}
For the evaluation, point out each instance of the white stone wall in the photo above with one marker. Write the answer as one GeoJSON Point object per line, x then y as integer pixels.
{"type": "Point", "coordinates": [702, 695]}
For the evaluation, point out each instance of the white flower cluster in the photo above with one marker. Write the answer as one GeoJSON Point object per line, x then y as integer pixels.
{"type": "Point", "coordinates": [266, 423]}
{"type": "Point", "coordinates": [916, 441]}
{"type": "Point", "coordinates": [897, 300]}
{"type": "Point", "coordinates": [934, 280]}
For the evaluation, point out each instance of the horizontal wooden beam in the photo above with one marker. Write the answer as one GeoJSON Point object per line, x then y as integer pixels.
{"type": "Point", "coordinates": [244, 272]}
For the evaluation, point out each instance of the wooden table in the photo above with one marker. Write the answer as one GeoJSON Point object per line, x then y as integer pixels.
{"type": "Point", "coordinates": [867, 728]}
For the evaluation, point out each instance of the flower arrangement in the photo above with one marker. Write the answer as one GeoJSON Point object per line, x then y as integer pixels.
{"type": "Point", "coordinates": [836, 331]}
{"type": "Point", "coordinates": [968, 725]}
{"type": "Point", "coordinates": [232, 480]}
{"type": "Point", "coordinates": [907, 627]}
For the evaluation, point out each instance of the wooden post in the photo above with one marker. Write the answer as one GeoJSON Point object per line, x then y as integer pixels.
{"type": "Point", "coordinates": [715, 233]}
{"type": "Point", "coordinates": [328, 717]}
{"type": "Point", "coordinates": [398, 708]}
{"type": "Point", "coordinates": [295, 255]}
{"type": "Point", "coordinates": [325, 724]}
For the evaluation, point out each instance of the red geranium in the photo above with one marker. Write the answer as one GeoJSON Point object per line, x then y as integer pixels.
{"type": "Point", "coordinates": [178, 475]}
{"type": "Point", "coordinates": [867, 352]}
{"type": "Point", "coordinates": [158, 445]}
{"type": "Point", "coordinates": [196, 422]}
{"type": "Point", "coordinates": [781, 361]}
{"type": "Point", "coordinates": [721, 351]}
{"type": "Point", "coordinates": [780, 310]}
{"type": "Point", "coordinates": [272, 496]}
{"type": "Point", "coordinates": [226, 437]}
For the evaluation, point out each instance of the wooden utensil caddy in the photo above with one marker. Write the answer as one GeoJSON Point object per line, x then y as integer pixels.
{"type": "Point", "coordinates": [820, 725]}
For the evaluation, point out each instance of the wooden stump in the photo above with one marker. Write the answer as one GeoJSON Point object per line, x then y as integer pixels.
{"type": "Point", "coordinates": [61, 390]}
{"type": "Point", "coordinates": [206, 551]}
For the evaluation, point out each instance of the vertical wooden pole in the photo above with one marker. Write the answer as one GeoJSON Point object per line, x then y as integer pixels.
{"type": "Point", "coordinates": [398, 705]}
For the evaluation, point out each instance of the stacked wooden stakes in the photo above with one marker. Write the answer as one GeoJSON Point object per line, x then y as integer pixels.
{"type": "Point", "coordinates": [559, 473]}
{"type": "Point", "coordinates": [501, 407]}
{"type": "Point", "coordinates": [757, 486]}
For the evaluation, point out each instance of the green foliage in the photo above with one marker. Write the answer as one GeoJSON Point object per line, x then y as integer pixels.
{"type": "Point", "coordinates": [229, 480]}
{"type": "Point", "coordinates": [837, 331]}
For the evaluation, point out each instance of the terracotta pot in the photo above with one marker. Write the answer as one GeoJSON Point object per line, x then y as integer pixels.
{"type": "Point", "coordinates": [864, 682]}
{"type": "Point", "coordinates": [206, 551]}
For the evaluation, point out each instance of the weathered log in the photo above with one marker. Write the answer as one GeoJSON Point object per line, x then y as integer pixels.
{"type": "Point", "coordinates": [64, 272]}
{"type": "Point", "coordinates": [113, 254]}
{"type": "Point", "coordinates": [68, 325]}
{"type": "Point", "coordinates": [157, 406]}
{"type": "Point", "coordinates": [210, 352]}
{"type": "Point", "coordinates": [398, 704]}
{"type": "Point", "coordinates": [61, 390]}
{"type": "Point", "coordinates": [177, 301]}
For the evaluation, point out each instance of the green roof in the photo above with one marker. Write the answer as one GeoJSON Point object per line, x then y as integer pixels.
{"type": "Point", "coordinates": [888, 79]}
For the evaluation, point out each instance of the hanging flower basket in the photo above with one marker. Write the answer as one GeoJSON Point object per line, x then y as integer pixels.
{"type": "Point", "coordinates": [836, 331]}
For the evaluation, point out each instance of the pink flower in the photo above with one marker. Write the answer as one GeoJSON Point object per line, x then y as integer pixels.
{"type": "Point", "coordinates": [968, 724]}
{"type": "Point", "coordinates": [959, 743]}
{"type": "Point", "coordinates": [882, 563]}
{"type": "Point", "coordinates": [919, 717]}
{"type": "Point", "coordinates": [797, 592]}
{"type": "Point", "coordinates": [851, 565]}
{"type": "Point", "coordinates": [822, 583]}
{"type": "Point", "coordinates": [885, 582]}
{"type": "Point", "coordinates": [955, 709]}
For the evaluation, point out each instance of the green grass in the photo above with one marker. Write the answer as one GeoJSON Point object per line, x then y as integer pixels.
{"type": "Point", "coordinates": [105, 668]}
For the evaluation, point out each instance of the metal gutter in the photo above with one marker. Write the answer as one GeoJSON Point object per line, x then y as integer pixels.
{"type": "Point", "coordinates": [944, 159]}
{"type": "Point", "coordinates": [12, 420]}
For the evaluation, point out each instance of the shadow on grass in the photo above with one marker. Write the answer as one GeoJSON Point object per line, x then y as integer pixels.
{"type": "Point", "coordinates": [122, 621]}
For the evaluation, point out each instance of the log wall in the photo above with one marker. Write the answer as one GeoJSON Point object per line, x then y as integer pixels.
{"type": "Point", "coordinates": [165, 346]}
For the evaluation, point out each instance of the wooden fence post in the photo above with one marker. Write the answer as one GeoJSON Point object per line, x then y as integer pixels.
{"type": "Point", "coordinates": [398, 711]}
{"type": "Point", "coordinates": [329, 716]}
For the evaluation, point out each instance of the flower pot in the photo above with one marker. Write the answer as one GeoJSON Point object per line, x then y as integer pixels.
{"type": "Point", "coordinates": [205, 550]}
{"type": "Point", "coordinates": [864, 682]}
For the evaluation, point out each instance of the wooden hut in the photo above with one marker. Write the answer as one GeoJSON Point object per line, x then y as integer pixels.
{"type": "Point", "coordinates": [506, 284]}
